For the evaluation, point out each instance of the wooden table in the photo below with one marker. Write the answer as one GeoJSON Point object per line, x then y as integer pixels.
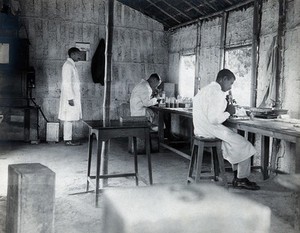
{"type": "Point", "coordinates": [116, 129]}
{"type": "Point", "coordinates": [270, 128]}
{"type": "Point", "coordinates": [265, 127]}
{"type": "Point", "coordinates": [185, 112]}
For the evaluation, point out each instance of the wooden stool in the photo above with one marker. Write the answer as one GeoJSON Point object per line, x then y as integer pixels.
{"type": "Point", "coordinates": [214, 146]}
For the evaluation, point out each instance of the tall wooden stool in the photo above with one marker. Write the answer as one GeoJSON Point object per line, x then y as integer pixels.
{"type": "Point", "coordinates": [217, 161]}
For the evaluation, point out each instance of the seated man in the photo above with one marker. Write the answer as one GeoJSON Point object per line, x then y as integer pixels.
{"type": "Point", "coordinates": [141, 98]}
{"type": "Point", "coordinates": [210, 110]}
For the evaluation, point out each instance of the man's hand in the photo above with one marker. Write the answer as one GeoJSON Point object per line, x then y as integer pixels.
{"type": "Point", "coordinates": [231, 109]}
{"type": "Point", "coordinates": [71, 102]}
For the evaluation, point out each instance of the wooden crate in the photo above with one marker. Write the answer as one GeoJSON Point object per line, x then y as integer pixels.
{"type": "Point", "coordinates": [52, 132]}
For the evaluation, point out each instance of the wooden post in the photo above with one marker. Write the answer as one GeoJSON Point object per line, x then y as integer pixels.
{"type": "Point", "coordinates": [280, 50]}
{"type": "Point", "coordinates": [223, 40]}
{"type": "Point", "coordinates": [255, 50]}
{"type": "Point", "coordinates": [107, 85]}
{"type": "Point", "coordinates": [197, 52]}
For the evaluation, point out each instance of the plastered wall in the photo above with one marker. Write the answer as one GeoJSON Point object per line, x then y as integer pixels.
{"type": "Point", "coordinates": [239, 31]}
{"type": "Point", "coordinates": [53, 26]}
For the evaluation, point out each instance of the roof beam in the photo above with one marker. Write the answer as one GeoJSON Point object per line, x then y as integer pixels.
{"type": "Point", "coordinates": [194, 7]}
{"type": "Point", "coordinates": [210, 5]}
{"type": "Point", "coordinates": [246, 2]}
{"type": "Point", "coordinates": [178, 10]}
{"type": "Point", "coordinates": [229, 2]}
{"type": "Point", "coordinates": [166, 13]}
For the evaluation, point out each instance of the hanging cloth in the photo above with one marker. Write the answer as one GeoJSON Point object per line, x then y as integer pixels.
{"type": "Point", "coordinates": [270, 74]}
{"type": "Point", "coordinates": [98, 63]}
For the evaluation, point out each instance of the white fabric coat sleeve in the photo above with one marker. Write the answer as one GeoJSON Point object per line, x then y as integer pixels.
{"type": "Point", "coordinates": [145, 98]}
{"type": "Point", "coordinates": [67, 73]}
{"type": "Point", "coordinates": [216, 108]}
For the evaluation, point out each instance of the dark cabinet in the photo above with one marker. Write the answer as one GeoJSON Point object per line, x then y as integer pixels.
{"type": "Point", "coordinates": [20, 123]}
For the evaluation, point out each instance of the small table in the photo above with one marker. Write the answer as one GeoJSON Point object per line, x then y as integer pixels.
{"type": "Point", "coordinates": [116, 129]}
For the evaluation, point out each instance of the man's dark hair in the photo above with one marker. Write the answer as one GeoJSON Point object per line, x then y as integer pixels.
{"type": "Point", "coordinates": [154, 76]}
{"type": "Point", "coordinates": [225, 73]}
{"type": "Point", "coordinates": [73, 50]}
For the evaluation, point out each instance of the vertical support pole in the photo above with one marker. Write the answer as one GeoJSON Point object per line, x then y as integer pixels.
{"type": "Point", "coordinates": [198, 47]}
{"type": "Point", "coordinates": [223, 40]}
{"type": "Point", "coordinates": [107, 85]}
{"type": "Point", "coordinates": [255, 50]}
{"type": "Point", "coordinates": [280, 50]}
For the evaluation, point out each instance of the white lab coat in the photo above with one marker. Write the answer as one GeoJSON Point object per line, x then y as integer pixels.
{"type": "Point", "coordinates": [70, 90]}
{"type": "Point", "coordinates": [140, 99]}
{"type": "Point", "coordinates": [209, 106]}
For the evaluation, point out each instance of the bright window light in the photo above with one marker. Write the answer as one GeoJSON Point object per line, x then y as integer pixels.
{"type": "Point", "coordinates": [186, 76]}
{"type": "Point", "coordinates": [239, 62]}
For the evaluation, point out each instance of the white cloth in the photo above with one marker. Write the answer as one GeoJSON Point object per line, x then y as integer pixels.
{"type": "Point", "coordinates": [68, 127]}
{"type": "Point", "coordinates": [242, 168]}
{"type": "Point", "coordinates": [209, 106]}
{"type": "Point", "coordinates": [140, 99]}
{"type": "Point", "coordinates": [70, 90]}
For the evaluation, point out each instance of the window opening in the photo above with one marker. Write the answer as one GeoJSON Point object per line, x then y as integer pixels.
{"type": "Point", "coordinates": [239, 61]}
{"type": "Point", "coordinates": [186, 76]}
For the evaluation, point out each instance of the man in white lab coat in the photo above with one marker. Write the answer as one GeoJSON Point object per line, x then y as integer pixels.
{"type": "Point", "coordinates": [210, 110]}
{"type": "Point", "coordinates": [70, 98]}
{"type": "Point", "coordinates": [141, 98]}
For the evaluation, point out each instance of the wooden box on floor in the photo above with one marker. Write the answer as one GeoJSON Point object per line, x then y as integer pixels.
{"type": "Point", "coordinates": [30, 199]}
{"type": "Point", "coordinates": [52, 132]}
{"type": "Point", "coordinates": [179, 208]}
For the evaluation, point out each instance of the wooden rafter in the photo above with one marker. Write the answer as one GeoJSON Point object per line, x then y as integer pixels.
{"type": "Point", "coordinates": [194, 7]}
{"type": "Point", "coordinates": [229, 2]}
{"type": "Point", "coordinates": [233, 7]}
{"type": "Point", "coordinates": [163, 11]}
{"type": "Point", "coordinates": [178, 10]}
{"type": "Point", "coordinates": [207, 3]}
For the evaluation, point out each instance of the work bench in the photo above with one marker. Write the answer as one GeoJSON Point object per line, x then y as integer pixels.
{"type": "Point", "coordinates": [267, 128]}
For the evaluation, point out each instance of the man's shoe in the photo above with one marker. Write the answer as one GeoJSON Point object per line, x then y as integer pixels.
{"type": "Point", "coordinates": [70, 143]}
{"type": "Point", "coordinates": [244, 183]}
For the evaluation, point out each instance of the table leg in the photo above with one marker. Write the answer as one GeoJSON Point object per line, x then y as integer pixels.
{"type": "Point", "coordinates": [297, 154]}
{"type": "Point", "coordinates": [147, 142]}
{"type": "Point", "coordinates": [99, 147]}
{"type": "Point", "coordinates": [135, 160]}
{"type": "Point", "coordinates": [265, 142]}
{"type": "Point", "coordinates": [161, 135]}
{"type": "Point", "coordinates": [90, 149]}
{"type": "Point", "coordinates": [297, 170]}
{"type": "Point", "coordinates": [251, 139]}
{"type": "Point", "coordinates": [191, 133]}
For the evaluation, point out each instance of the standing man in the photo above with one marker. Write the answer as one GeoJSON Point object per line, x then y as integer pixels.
{"type": "Point", "coordinates": [141, 98]}
{"type": "Point", "coordinates": [210, 110]}
{"type": "Point", "coordinates": [70, 98]}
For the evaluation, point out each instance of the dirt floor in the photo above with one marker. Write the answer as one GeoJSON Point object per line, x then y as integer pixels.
{"type": "Point", "coordinates": [75, 210]}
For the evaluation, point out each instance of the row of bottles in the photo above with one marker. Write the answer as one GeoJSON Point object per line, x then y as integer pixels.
{"type": "Point", "coordinates": [173, 102]}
